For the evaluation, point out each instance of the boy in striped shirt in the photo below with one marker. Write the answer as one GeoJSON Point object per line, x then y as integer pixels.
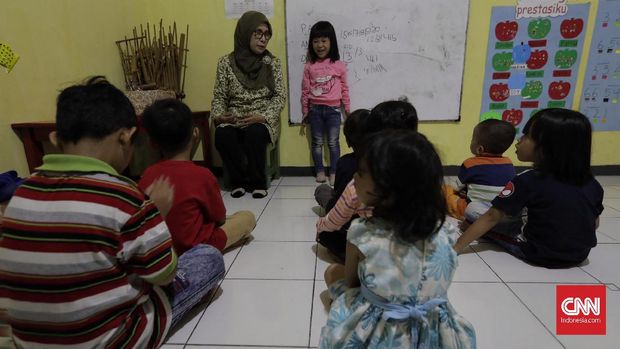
{"type": "Point", "coordinates": [483, 176]}
{"type": "Point", "coordinates": [83, 252]}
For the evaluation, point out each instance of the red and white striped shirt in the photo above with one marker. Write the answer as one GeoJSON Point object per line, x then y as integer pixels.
{"type": "Point", "coordinates": [79, 251]}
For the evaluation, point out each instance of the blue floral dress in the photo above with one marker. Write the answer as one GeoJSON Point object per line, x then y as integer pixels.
{"type": "Point", "coordinates": [398, 273]}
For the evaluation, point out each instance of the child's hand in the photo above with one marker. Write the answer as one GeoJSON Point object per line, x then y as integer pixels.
{"type": "Point", "coordinates": [457, 248]}
{"type": "Point", "coordinates": [161, 193]}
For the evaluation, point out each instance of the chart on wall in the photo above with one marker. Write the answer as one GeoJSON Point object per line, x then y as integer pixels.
{"type": "Point", "coordinates": [600, 99]}
{"type": "Point", "coordinates": [532, 63]}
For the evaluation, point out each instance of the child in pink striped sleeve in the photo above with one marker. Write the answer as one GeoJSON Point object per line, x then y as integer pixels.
{"type": "Point", "coordinates": [332, 229]}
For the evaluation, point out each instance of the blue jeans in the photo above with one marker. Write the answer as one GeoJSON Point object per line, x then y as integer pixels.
{"type": "Point", "coordinates": [199, 271]}
{"type": "Point", "coordinates": [325, 119]}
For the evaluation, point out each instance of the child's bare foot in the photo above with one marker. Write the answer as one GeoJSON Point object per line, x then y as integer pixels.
{"type": "Point", "coordinates": [320, 177]}
{"type": "Point", "coordinates": [332, 179]}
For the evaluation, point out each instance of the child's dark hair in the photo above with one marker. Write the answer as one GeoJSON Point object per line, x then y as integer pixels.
{"type": "Point", "coordinates": [496, 136]}
{"type": "Point", "coordinates": [408, 178]}
{"type": "Point", "coordinates": [392, 114]}
{"type": "Point", "coordinates": [323, 29]}
{"type": "Point", "coordinates": [353, 128]}
{"type": "Point", "coordinates": [94, 109]}
{"type": "Point", "coordinates": [563, 140]}
{"type": "Point", "coordinates": [169, 124]}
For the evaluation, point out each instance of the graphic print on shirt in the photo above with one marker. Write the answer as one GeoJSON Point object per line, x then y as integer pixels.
{"type": "Point", "coordinates": [507, 191]}
{"type": "Point", "coordinates": [323, 85]}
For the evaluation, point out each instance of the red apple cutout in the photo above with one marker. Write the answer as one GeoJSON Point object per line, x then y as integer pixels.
{"type": "Point", "coordinates": [513, 116]}
{"type": "Point", "coordinates": [506, 31]}
{"type": "Point", "coordinates": [537, 59]}
{"type": "Point", "coordinates": [559, 89]}
{"type": "Point", "coordinates": [571, 28]}
{"type": "Point", "coordinates": [499, 92]}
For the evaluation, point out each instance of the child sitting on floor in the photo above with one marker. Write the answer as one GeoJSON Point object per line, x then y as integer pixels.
{"type": "Point", "coordinates": [563, 199]}
{"type": "Point", "coordinates": [84, 250]}
{"type": "Point", "coordinates": [198, 214]}
{"type": "Point", "coordinates": [483, 176]}
{"type": "Point", "coordinates": [332, 229]}
{"type": "Point", "coordinates": [392, 290]}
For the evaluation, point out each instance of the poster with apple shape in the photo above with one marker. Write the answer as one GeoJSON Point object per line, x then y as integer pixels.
{"type": "Point", "coordinates": [600, 96]}
{"type": "Point", "coordinates": [532, 63]}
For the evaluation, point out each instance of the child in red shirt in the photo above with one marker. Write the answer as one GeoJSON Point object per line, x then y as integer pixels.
{"type": "Point", "coordinates": [198, 214]}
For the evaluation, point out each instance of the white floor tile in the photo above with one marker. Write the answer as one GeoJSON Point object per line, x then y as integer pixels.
{"type": "Point", "coordinates": [540, 299]}
{"type": "Point", "coordinates": [613, 203]}
{"type": "Point", "coordinates": [319, 312]}
{"type": "Point", "coordinates": [246, 202]}
{"type": "Point", "coordinates": [612, 192]}
{"type": "Point", "coordinates": [275, 182]}
{"type": "Point", "coordinates": [274, 228]}
{"type": "Point", "coordinates": [603, 263]}
{"type": "Point", "coordinates": [299, 181]}
{"type": "Point", "coordinates": [297, 192]}
{"type": "Point", "coordinates": [290, 208]}
{"type": "Point", "coordinates": [610, 212]}
{"type": "Point", "coordinates": [274, 260]}
{"type": "Point", "coordinates": [603, 238]}
{"type": "Point", "coordinates": [229, 257]}
{"type": "Point", "coordinates": [610, 227]}
{"type": "Point", "coordinates": [258, 312]}
{"type": "Point", "coordinates": [512, 269]}
{"type": "Point", "coordinates": [473, 268]}
{"type": "Point", "coordinates": [608, 180]}
{"type": "Point", "coordinates": [181, 333]}
{"type": "Point", "coordinates": [499, 318]}
{"type": "Point", "coordinates": [172, 346]}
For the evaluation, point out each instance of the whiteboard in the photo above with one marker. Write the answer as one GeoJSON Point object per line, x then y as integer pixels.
{"type": "Point", "coordinates": [392, 48]}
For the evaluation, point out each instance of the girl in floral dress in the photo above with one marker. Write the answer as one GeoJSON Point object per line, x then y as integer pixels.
{"type": "Point", "coordinates": [392, 290]}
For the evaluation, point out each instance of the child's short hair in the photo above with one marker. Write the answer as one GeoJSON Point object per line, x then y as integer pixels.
{"type": "Point", "coordinates": [323, 29]}
{"type": "Point", "coordinates": [169, 124]}
{"type": "Point", "coordinates": [392, 114]}
{"type": "Point", "coordinates": [353, 128]}
{"type": "Point", "coordinates": [94, 109]}
{"type": "Point", "coordinates": [408, 178]}
{"type": "Point", "coordinates": [496, 136]}
{"type": "Point", "coordinates": [563, 141]}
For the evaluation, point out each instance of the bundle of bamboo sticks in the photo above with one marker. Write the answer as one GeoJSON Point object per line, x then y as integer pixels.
{"type": "Point", "coordinates": [156, 60]}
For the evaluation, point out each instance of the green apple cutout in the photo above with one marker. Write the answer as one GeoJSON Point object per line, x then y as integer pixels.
{"type": "Point", "coordinates": [502, 61]}
{"type": "Point", "coordinates": [491, 115]}
{"type": "Point", "coordinates": [532, 90]}
{"type": "Point", "coordinates": [565, 59]}
{"type": "Point", "coordinates": [539, 28]}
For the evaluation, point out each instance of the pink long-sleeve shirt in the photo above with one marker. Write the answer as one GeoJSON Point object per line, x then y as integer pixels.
{"type": "Point", "coordinates": [347, 205]}
{"type": "Point", "coordinates": [325, 83]}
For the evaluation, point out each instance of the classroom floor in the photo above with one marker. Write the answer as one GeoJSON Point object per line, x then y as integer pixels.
{"type": "Point", "coordinates": [271, 296]}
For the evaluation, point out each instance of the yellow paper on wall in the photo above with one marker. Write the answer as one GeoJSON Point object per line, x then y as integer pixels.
{"type": "Point", "coordinates": [8, 58]}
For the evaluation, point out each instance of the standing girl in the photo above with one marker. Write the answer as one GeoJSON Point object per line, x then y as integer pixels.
{"type": "Point", "coordinates": [392, 290]}
{"type": "Point", "coordinates": [562, 197]}
{"type": "Point", "coordinates": [324, 91]}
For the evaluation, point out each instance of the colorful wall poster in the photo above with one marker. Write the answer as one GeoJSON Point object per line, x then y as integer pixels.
{"type": "Point", "coordinates": [600, 98]}
{"type": "Point", "coordinates": [532, 63]}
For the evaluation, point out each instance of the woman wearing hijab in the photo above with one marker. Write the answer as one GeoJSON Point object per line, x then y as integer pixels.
{"type": "Point", "coordinates": [248, 98]}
